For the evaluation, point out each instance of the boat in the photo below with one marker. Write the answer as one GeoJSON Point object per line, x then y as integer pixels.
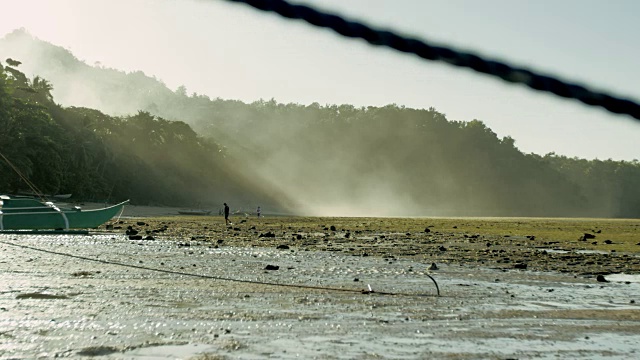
{"type": "Point", "coordinates": [31, 214]}
{"type": "Point", "coordinates": [194, 212]}
{"type": "Point", "coordinates": [62, 196]}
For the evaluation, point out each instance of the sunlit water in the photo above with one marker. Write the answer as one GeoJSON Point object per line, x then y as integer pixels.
{"type": "Point", "coordinates": [56, 305]}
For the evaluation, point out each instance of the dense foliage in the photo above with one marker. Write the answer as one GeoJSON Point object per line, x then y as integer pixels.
{"type": "Point", "coordinates": [420, 163]}
{"type": "Point", "coordinates": [94, 156]}
{"type": "Point", "coordinates": [333, 159]}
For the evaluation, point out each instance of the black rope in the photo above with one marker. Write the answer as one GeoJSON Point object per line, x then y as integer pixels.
{"type": "Point", "coordinates": [33, 187]}
{"type": "Point", "coordinates": [386, 38]}
{"type": "Point", "coordinates": [257, 282]}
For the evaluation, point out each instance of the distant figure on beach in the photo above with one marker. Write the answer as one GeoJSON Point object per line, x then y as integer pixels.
{"type": "Point", "coordinates": [258, 211]}
{"type": "Point", "coordinates": [226, 213]}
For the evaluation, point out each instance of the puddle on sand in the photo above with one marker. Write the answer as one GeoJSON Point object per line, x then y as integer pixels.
{"type": "Point", "coordinates": [185, 351]}
{"type": "Point", "coordinates": [623, 278]}
{"type": "Point", "coordinates": [583, 252]}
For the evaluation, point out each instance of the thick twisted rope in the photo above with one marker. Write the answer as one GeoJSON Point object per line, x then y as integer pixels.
{"type": "Point", "coordinates": [385, 38]}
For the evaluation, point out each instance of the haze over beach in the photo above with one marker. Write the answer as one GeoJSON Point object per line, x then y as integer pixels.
{"type": "Point", "coordinates": [196, 103]}
{"type": "Point", "coordinates": [231, 51]}
{"type": "Point", "coordinates": [379, 206]}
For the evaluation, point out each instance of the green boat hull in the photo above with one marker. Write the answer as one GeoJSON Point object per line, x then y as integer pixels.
{"type": "Point", "coordinates": [51, 217]}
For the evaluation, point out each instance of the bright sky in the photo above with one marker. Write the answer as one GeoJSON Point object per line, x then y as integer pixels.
{"type": "Point", "coordinates": [231, 51]}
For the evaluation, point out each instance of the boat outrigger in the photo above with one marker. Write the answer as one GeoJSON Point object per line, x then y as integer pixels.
{"type": "Point", "coordinates": [31, 214]}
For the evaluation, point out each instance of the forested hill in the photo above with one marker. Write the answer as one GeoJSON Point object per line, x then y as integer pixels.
{"type": "Point", "coordinates": [329, 160]}
{"type": "Point", "coordinates": [99, 157]}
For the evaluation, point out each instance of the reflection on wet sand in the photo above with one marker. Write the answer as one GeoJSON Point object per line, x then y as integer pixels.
{"type": "Point", "coordinates": [85, 308]}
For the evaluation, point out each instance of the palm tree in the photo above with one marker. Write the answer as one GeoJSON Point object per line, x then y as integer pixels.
{"type": "Point", "coordinates": [42, 86]}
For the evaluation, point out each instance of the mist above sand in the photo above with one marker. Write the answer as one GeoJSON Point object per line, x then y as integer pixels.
{"type": "Point", "coordinates": [342, 160]}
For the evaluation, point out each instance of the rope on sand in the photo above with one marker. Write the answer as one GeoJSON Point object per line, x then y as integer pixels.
{"type": "Point", "coordinates": [213, 277]}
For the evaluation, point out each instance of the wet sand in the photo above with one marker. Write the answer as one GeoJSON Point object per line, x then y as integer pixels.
{"type": "Point", "coordinates": [173, 295]}
{"type": "Point", "coordinates": [524, 243]}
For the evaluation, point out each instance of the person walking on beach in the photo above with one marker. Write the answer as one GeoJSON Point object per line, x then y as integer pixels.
{"type": "Point", "coordinates": [258, 211]}
{"type": "Point", "coordinates": [226, 213]}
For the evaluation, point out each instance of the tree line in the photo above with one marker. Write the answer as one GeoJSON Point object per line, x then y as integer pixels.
{"type": "Point", "coordinates": [388, 160]}
{"type": "Point", "coordinates": [421, 160]}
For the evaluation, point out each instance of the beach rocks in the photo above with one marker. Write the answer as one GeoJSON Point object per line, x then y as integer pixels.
{"type": "Point", "coordinates": [587, 236]}
{"type": "Point", "coordinates": [389, 237]}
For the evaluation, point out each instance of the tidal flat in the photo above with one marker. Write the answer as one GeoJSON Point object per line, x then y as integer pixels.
{"type": "Point", "coordinates": [580, 246]}
{"type": "Point", "coordinates": [326, 288]}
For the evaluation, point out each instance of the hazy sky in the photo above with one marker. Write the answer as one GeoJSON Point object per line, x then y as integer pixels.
{"type": "Point", "coordinates": [231, 51]}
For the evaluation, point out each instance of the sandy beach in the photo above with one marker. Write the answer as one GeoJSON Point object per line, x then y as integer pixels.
{"type": "Point", "coordinates": [193, 288]}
